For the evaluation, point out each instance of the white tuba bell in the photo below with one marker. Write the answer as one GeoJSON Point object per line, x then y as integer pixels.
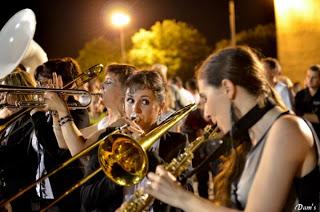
{"type": "Point", "coordinates": [34, 57]}
{"type": "Point", "coordinates": [17, 44]}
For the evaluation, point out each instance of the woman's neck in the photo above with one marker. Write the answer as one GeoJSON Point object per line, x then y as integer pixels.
{"type": "Point", "coordinates": [114, 115]}
{"type": "Point", "coordinates": [243, 107]}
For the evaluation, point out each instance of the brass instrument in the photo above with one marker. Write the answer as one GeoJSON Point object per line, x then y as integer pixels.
{"type": "Point", "coordinates": [27, 106]}
{"type": "Point", "coordinates": [16, 42]}
{"type": "Point", "coordinates": [140, 200]}
{"type": "Point", "coordinates": [86, 76]}
{"type": "Point", "coordinates": [128, 159]}
{"type": "Point", "coordinates": [34, 97]}
{"type": "Point", "coordinates": [124, 160]}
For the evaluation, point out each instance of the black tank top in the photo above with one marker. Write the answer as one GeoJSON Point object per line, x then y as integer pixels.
{"type": "Point", "coordinates": [308, 187]}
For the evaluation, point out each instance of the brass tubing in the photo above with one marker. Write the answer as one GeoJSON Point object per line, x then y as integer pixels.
{"type": "Point", "coordinates": [66, 163]}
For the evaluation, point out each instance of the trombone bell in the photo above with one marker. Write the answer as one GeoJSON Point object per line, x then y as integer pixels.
{"type": "Point", "coordinates": [123, 159]}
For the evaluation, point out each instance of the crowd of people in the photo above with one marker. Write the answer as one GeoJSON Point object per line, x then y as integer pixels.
{"type": "Point", "coordinates": [271, 158]}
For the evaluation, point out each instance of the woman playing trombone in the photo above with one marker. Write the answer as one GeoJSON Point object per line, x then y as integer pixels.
{"type": "Point", "coordinates": [274, 168]}
{"type": "Point", "coordinates": [144, 101]}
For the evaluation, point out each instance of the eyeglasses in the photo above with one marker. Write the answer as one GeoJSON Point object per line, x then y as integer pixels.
{"type": "Point", "coordinates": [107, 83]}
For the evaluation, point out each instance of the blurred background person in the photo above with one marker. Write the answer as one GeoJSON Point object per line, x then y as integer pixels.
{"type": "Point", "coordinates": [272, 70]}
{"type": "Point", "coordinates": [192, 87]}
{"type": "Point", "coordinates": [169, 106]}
{"type": "Point", "coordinates": [307, 101]}
{"type": "Point", "coordinates": [296, 88]}
{"type": "Point", "coordinates": [182, 96]}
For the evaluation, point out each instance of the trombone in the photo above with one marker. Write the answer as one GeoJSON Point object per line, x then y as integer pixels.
{"type": "Point", "coordinates": [123, 159]}
{"type": "Point", "coordinates": [37, 94]}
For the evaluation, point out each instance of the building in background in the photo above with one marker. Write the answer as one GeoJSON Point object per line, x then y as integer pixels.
{"type": "Point", "coordinates": [298, 36]}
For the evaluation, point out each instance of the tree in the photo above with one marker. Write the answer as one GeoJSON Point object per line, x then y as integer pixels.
{"type": "Point", "coordinates": [98, 50]}
{"type": "Point", "coordinates": [262, 38]}
{"type": "Point", "coordinates": [172, 43]}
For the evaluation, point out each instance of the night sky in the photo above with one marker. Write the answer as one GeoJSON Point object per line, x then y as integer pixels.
{"type": "Point", "coordinates": [63, 26]}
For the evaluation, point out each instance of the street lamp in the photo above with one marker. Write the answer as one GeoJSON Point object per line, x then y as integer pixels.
{"type": "Point", "coordinates": [121, 19]}
{"type": "Point", "coordinates": [232, 23]}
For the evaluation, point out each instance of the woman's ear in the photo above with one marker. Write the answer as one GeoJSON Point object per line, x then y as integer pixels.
{"type": "Point", "coordinates": [229, 88]}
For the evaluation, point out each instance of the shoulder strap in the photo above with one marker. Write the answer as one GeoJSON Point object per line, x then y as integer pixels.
{"type": "Point", "coordinates": [249, 119]}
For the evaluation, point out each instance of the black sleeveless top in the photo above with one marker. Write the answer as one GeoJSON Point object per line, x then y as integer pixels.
{"type": "Point", "coordinates": [305, 190]}
{"type": "Point", "coordinates": [308, 187]}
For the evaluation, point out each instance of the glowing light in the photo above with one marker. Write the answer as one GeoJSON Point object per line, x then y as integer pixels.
{"type": "Point", "coordinates": [300, 8]}
{"type": "Point", "coordinates": [120, 19]}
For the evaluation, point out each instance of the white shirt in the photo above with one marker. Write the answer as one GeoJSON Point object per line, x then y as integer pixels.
{"type": "Point", "coordinates": [186, 97]}
{"type": "Point", "coordinates": [43, 188]}
{"type": "Point", "coordinates": [285, 94]}
{"type": "Point", "coordinates": [103, 123]}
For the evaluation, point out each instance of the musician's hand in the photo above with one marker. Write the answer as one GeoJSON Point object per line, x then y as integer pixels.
{"type": "Point", "coordinates": [55, 103]}
{"type": "Point", "coordinates": [122, 207]}
{"type": "Point", "coordinates": [55, 82]}
{"type": "Point", "coordinates": [5, 112]}
{"type": "Point", "coordinates": [131, 128]}
{"type": "Point", "coordinates": [164, 186]}
{"type": "Point", "coordinates": [134, 129]}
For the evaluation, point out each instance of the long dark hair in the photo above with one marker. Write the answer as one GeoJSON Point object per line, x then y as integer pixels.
{"type": "Point", "coordinates": [242, 67]}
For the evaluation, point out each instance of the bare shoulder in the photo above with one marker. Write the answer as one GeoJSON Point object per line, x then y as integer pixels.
{"type": "Point", "coordinates": [292, 126]}
{"type": "Point", "coordinates": [291, 133]}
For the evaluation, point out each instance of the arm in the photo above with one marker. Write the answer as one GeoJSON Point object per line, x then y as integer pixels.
{"type": "Point", "coordinates": [74, 140]}
{"type": "Point", "coordinates": [281, 161]}
{"type": "Point", "coordinates": [44, 133]}
{"type": "Point", "coordinates": [164, 187]}
{"type": "Point", "coordinates": [86, 132]}
{"type": "Point", "coordinates": [58, 132]}
{"type": "Point", "coordinates": [55, 126]}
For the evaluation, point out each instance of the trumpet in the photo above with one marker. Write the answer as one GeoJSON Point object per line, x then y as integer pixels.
{"type": "Point", "coordinates": [35, 96]}
{"type": "Point", "coordinates": [140, 200]}
{"type": "Point", "coordinates": [123, 159]}
{"type": "Point", "coordinates": [26, 97]}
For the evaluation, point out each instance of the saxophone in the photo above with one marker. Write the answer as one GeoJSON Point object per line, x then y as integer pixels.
{"type": "Point", "coordinates": [140, 200]}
